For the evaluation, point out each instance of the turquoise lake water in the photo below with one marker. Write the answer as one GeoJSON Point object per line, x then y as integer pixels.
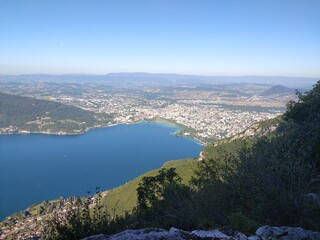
{"type": "Point", "coordinates": [37, 167]}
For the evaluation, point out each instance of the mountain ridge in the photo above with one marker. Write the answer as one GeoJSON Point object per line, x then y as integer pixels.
{"type": "Point", "coordinates": [166, 78]}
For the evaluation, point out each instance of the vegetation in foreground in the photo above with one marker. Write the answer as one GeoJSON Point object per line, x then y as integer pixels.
{"type": "Point", "coordinates": [272, 179]}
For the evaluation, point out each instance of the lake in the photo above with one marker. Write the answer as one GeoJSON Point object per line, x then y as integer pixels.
{"type": "Point", "coordinates": [37, 167]}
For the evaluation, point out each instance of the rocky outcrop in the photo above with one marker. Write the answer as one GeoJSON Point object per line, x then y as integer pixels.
{"type": "Point", "coordinates": [284, 233]}
{"type": "Point", "coordinates": [255, 130]}
{"type": "Point", "coordinates": [262, 233]}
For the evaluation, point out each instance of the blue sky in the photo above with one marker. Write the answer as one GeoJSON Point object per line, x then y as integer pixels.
{"type": "Point", "coordinates": [257, 37]}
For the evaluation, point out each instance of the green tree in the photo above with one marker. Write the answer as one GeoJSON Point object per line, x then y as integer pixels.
{"type": "Point", "coordinates": [164, 201]}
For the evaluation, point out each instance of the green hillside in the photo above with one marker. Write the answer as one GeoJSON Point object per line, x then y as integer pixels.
{"type": "Point", "coordinates": [25, 114]}
{"type": "Point", "coordinates": [124, 198]}
{"type": "Point", "coordinates": [268, 174]}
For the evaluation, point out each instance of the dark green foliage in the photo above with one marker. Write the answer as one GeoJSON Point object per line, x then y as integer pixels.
{"type": "Point", "coordinates": [72, 224]}
{"type": "Point", "coordinates": [164, 201]}
{"type": "Point", "coordinates": [242, 223]}
{"type": "Point", "coordinates": [277, 174]}
{"type": "Point", "coordinates": [77, 221]}
{"type": "Point", "coordinates": [307, 108]}
{"type": "Point", "coordinates": [151, 188]}
{"type": "Point", "coordinates": [305, 114]}
{"type": "Point", "coordinates": [223, 148]}
{"type": "Point", "coordinates": [212, 190]}
{"type": "Point", "coordinates": [270, 181]}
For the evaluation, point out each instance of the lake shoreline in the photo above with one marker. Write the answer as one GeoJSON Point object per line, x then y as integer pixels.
{"type": "Point", "coordinates": [163, 121]}
{"type": "Point", "coordinates": [108, 157]}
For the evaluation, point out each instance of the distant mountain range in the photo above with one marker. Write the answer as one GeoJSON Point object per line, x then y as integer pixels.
{"type": "Point", "coordinates": [164, 79]}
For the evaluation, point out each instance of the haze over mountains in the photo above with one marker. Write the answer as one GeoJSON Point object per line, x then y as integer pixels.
{"type": "Point", "coordinates": [160, 79]}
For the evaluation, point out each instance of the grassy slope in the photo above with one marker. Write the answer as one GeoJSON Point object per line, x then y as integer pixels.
{"type": "Point", "coordinates": [124, 198]}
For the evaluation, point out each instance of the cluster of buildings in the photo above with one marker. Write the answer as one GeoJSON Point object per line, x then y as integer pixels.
{"type": "Point", "coordinates": [210, 119]}
{"type": "Point", "coordinates": [208, 113]}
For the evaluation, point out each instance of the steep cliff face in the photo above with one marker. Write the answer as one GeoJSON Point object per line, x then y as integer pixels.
{"type": "Point", "coordinates": [235, 142]}
{"type": "Point", "coordinates": [256, 130]}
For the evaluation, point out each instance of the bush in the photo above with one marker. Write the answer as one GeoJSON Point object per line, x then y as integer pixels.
{"type": "Point", "coordinates": [242, 223]}
{"type": "Point", "coordinates": [163, 201]}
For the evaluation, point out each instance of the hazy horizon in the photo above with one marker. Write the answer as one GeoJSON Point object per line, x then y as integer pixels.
{"type": "Point", "coordinates": [151, 73]}
{"type": "Point", "coordinates": [206, 38]}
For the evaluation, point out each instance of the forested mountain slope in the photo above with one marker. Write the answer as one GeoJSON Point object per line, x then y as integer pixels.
{"type": "Point", "coordinates": [271, 178]}
{"type": "Point", "coordinates": [25, 114]}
